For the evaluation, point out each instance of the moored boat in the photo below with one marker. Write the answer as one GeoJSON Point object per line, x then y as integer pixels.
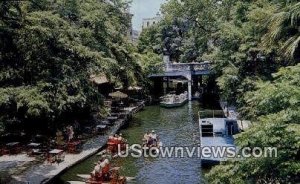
{"type": "Point", "coordinates": [172, 100]}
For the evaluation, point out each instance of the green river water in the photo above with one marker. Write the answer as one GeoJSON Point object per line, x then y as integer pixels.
{"type": "Point", "coordinates": [176, 127]}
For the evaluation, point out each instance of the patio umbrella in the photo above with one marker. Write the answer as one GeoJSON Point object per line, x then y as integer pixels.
{"type": "Point", "coordinates": [118, 94]}
{"type": "Point", "coordinates": [99, 79]}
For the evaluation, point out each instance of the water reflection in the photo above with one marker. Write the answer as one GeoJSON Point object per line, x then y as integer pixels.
{"type": "Point", "coordinates": [176, 127]}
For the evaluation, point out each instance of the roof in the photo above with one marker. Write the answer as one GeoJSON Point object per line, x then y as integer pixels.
{"type": "Point", "coordinates": [99, 79]}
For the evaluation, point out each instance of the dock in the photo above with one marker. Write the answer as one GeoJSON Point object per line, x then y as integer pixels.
{"type": "Point", "coordinates": [216, 134]}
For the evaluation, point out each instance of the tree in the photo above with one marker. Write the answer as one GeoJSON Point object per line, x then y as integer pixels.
{"type": "Point", "coordinates": [48, 51]}
{"type": "Point", "coordinates": [283, 30]}
{"type": "Point", "coordinates": [248, 42]}
{"type": "Point", "coordinates": [274, 107]}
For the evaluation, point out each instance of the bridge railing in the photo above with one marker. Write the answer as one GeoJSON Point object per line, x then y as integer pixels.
{"type": "Point", "coordinates": [189, 66]}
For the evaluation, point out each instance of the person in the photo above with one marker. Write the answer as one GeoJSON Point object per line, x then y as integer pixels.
{"type": "Point", "coordinates": [146, 137]}
{"type": "Point", "coordinates": [153, 138]}
{"type": "Point", "coordinates": [110, 138]}
{"type": "Point", "coordinates": [105, 169]}
{"type": "Point", "coordinates": [121, 139]}
{"type": "Point", "coordinates": [102, 166]}
{"type": "Point", "coordinates": [59, 138]}
{"type": "Point", "coordinates": [70, 132]}
{"type": "Point", "coordinates": [153, 135]}
{"type": "Point", "coordinates": [116, 138]}
{"type": "Point", "coordinates": [76, 127]}
{"type": "Point", "coordinates": [97, 171]}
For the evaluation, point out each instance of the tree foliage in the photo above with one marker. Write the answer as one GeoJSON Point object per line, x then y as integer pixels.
{"type": "Point", "coordinates": [49, 49]}
{"type": "Point", "coordinates": [274, 108]}
{"type": "Point", "coordinates": [248, 41]}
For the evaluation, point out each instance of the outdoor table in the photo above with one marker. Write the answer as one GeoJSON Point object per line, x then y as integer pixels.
{"type": "Point", "coordinates": [33, 144]}
{"type": "Point", "coordinates": [13, 147]}
{"type": "Point", "coordinates": [114, 114]}
{"type": "Point", "coordinates": [106, 122]}
{"type": "Point", "coordinates": [56, 155]}
{"type": "Point", "coordinates": [33, 149]}
{"type": "Point", "coordinates": [101, 126]}
{"type": "Point", "coordinates": [112, 118]}
{"type": "Point", "coordinates": [11, 144]}
{"type": "Point", "coordinates": [35, 152]}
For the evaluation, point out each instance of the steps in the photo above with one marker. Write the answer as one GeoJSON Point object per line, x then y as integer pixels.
{"type": "Point", "coordinates": [207, 130]}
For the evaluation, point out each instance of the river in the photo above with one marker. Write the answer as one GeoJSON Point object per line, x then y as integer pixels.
{"type": "Point", "coordinates": [176, 127]}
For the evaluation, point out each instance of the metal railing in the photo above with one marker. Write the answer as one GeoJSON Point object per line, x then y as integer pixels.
{"type": "Point", "coordinates": [188, 67]}
{"type": "Point", "coordinates": [210, 113]}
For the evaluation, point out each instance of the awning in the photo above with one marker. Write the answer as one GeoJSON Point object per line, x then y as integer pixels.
{"type": "Point", "coordinates": [99, 79]}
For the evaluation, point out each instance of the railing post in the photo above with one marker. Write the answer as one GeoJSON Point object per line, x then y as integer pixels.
{"type": "Point", "coordinates": [190, 89]}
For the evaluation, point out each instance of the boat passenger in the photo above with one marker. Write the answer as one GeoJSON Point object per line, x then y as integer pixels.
{"type": "Point", "coordinates": [121, 139]}
{"type": "Point", "coordinates": [153, 138]}
{"type": "Point", "coordinates": [105, 169]}
{"type": "Point", "coordinates": [111, 137]}
{"type": "Point", "coordinates": [116, 139]}
{"type": "Point", "coordinates": [146, 137]}
{"type": "Point", "coordinates": [153, 135]}
{"type": "Point", "coordinates": [97, 171]}
{"type": "Point", "coordinates": [102, 165]}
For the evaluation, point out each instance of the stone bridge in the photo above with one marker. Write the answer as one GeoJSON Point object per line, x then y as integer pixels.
{"type": "Point", "coordinates": [186, 70]}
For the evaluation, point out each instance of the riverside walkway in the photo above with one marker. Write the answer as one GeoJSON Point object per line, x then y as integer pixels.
{"type": "Point", "coordinates": [45, 172]}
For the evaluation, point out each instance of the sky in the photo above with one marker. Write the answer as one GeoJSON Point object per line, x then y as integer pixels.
{"type": "Point", "coordinates": [144, 9]}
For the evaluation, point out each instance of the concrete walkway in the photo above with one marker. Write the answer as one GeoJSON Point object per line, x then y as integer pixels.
{"type": "Point", "coordinates": [231, 113]}
{"type": "Point", "coordinates": [44, 172]}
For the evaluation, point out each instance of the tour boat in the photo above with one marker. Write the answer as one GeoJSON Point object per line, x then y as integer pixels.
{"type": "Point", "coordinates": [113, 143]}
{"type": "Point", "coordinates": [113, 177]}
{"type": "Point", "coordinates": [154, 146]}
{"type": "Point", "coordinates": [172, 100]}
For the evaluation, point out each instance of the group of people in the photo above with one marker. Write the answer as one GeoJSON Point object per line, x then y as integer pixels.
{"type": "Point", "coordinates": [101, 170]}
{"type": "Point", "coordinates": [117, 139]}
{"type": "Point", "coordinates": [68, 134]}
{"type": "Point", "coordinates": [150, 139]}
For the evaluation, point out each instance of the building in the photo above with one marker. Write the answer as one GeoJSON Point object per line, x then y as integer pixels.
{"type": "Point", "coordinates": [147, 22]}
{"type": "Point", "coordinates": [134, 35]}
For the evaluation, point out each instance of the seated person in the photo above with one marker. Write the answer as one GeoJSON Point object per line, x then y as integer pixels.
{"type": "Point", "coordinates": [96, 173]}
{"type": "Point", "coordinates": [146, 136]}
{"type": "Point", "coordinates": [153, 135]}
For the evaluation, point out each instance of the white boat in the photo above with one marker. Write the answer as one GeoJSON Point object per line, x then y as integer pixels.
{"type": "Point", "coordinates": [172, 100]}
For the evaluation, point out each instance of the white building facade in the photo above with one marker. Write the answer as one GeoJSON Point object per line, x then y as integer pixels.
{"type": "Point", "coordinates": [147, 22]}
